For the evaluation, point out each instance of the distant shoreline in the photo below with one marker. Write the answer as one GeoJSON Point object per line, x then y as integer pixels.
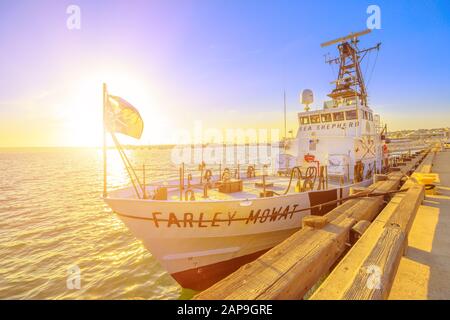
{"type": "Point", "coordinates": [394, 135]}
{"type": "Point", "coordinates": [137, 147]}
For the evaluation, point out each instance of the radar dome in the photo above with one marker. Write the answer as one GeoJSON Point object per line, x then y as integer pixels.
{"type": "Point", "coordinates": [307, 98]}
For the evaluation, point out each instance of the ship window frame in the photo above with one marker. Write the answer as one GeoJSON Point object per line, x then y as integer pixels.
{"type": "Point", "coordinates": [302, 118]}
{"type": "Point", "coordinates": [354, 117]}
{"type": "Point", "coordinates": [336, 113]}
{"type": "Point", "coordinates": [323, 115]}
{"type": "Point", "coordinates": [365, 115]}
{"type": "Point", "coordinates": [315, 116]}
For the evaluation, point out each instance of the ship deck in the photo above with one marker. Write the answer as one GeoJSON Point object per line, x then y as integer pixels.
{"type": "Point", "coordinates": [252, 188]}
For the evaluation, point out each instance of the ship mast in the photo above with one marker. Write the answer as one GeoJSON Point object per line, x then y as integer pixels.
{"type": "Point", "coordinates": [350, 82]}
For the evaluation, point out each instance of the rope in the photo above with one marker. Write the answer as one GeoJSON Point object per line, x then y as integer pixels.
{"type": "Point", "coordinates": [373, 68]}
{"type": "Point", "coordinates": [333, 73]}
{"type": "Point", "coordinates": [300, 177]}
{"type": "Point", "coordinates": [358, 195]}
{"type": "Point", "coordinates": [367, 64]}
{"type": "Point", "coordinates": [363, 194]}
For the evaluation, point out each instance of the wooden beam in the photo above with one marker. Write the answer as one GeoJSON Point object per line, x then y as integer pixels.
{"type": "Point", "coordinates": [385, 257]}
{"type": "Point", "coordinates": [405, 213]}
{"type": "Point", "coordinates": [368, 270]}
{"type": "Point", "coordinates": [357, 230]}
{"type": "Point", "coordinates": [314, 221]}
{"type": "Point", "coordinates": [379, 177]}
{"type": "Point", "coordinates": [306, 256]}
{"type": "Point", "coordinates": [338, 281]}
{"type": "Point", "coordinates": [293, 267]}
{"type": "Point", "coordinates": [374, 279]}
{"type": "Point", "coordinates": [427, 164]}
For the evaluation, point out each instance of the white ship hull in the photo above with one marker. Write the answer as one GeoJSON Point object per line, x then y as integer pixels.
{"type": "Point", "coordinates": [201, 242]}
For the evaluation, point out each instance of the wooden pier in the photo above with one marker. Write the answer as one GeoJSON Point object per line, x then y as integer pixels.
{"type": "Point", "coordinates": [424, 271]}
{"type": "Point", "coordinates": [378, 245]}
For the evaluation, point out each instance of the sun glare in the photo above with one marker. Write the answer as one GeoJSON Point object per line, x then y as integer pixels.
{"type": "Point", "coordinates": [82, 113]}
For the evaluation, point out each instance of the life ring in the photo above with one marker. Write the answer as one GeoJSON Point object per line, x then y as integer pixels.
{"type": "Point", "coordinates": [385, 149]}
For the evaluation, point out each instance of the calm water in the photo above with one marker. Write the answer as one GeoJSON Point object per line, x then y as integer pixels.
{"type": "Point", "coordinates": [52, 218]}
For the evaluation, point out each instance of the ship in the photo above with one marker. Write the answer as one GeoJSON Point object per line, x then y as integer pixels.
{"type": "Point", "coordinates": [203, 226]}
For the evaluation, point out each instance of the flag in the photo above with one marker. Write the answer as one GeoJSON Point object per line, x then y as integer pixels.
{"type": "Point", "coordinates": [123, 118]}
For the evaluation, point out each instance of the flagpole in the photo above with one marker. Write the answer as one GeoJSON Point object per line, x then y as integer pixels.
{"type": "Point", "coordinates": [105, 190]}
{"type": "Point", "coordinates": [284, 102]}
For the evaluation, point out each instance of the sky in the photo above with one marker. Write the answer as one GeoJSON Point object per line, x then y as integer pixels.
{"type": "Point", "coordinates": [223, 64]}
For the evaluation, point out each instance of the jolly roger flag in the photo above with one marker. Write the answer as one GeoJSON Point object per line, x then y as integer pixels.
{"type": "Point", "coordinates": [123, 118]}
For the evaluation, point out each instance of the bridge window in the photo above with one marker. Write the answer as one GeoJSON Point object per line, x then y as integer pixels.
{"type": "Point", "coordinates": [304, 120]}
{"type": "Point", "coordinates": [338, 116]}
{"type": "Point", "coordinates": [326, 117]}
{"type": "Point", "coordinates": [365, 115]}
{"type": "Point", "coordinates": [370, 116]}
{"type": "Point", "coordinates": [315, 118]}
{"type": "Point", "coordinates": [351, 115]}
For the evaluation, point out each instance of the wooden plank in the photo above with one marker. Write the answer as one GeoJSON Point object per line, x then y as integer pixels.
{"type": "Point", "coordinates": [365, 209]}
{"type": "Point", "coordinates": [405, 213]}
{"type": "Point", "coordinates": [361, 227]}
{"type": "Point", "coordinates": [376, 265]}
{"type": "Point", "coordinates": [307, 255]}
{"type": "Point", "coordinates": [357, 230]}
{"type": "Point", "coordinates": [357, 190]}
{"type": "Point", "coordinates": [314, 221]}
{"type": "Point", "coordinates": [338, 281]}
{"type": "Point", "coordinates": [290, 269]}
{"type": "Point", "coordinates": [315, 262]}
{"type": "Point", "coordinates": [380, 177]}
{"type": "Point", "coordinates": [427, 163]}
{"type": "Point", "coordinates": [374, 279]}
{"type": "Point", "coordinates": [253, 279]}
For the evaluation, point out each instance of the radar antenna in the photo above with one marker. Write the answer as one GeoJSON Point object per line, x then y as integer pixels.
{"type": "Point", "coordinates": [350, 82]}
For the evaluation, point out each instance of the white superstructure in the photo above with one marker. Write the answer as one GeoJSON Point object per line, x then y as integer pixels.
{"type": "Point", "coordinates": [204, 227]}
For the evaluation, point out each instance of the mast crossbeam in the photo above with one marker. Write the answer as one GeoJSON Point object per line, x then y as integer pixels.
{"type": "Point", "coordinates": [350, 82]}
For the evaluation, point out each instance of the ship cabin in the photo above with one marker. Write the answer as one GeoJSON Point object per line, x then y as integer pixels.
{"type": "Point", "coordinates": [343, 137]}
